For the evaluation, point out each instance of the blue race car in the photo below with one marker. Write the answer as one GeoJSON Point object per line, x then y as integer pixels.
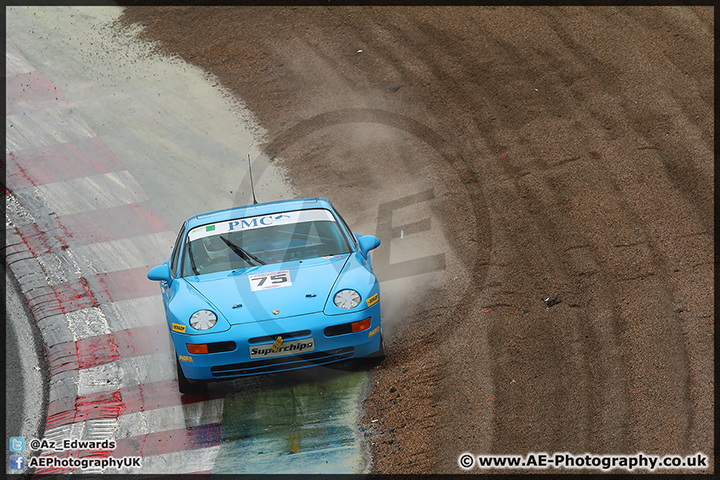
{"type": "Point", "coordinates": [268, 288]}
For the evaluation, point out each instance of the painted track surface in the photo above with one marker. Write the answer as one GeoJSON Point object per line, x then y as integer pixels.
{"type": "Point", "coordinates": [587, 139]}
{"type": "Point", "coordinates": [101, 171]}
{"type": "Point", "coordinates": [99, 333]}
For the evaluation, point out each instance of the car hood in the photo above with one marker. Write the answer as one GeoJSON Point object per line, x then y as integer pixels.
{"type": "Point", "coordinates": [310, 283]}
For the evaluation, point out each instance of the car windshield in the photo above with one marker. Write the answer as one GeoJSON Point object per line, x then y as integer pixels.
{"type": "Point", "coordinates": [251, 241]}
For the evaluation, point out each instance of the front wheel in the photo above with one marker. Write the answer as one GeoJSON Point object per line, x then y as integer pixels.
{"type": "Point", "coordinates": [188, 386]}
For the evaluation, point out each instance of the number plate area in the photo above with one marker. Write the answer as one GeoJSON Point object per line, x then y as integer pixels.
{"type": "Point", "coordinates": [296, 347]}
{"type": "Point", "coordinates": [265, 281]}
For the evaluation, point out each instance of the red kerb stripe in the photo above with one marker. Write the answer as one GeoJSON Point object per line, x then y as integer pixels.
{"type": "Point", "coordinates": [59, 162]}
{"type": "Point", "coordinates": [33, 89]}
{"type": "Point", "coordinates": [113, 223]}
{"type": "Point", "coordinates": [126, 400]}
{"type": "Point", "coordinates": [90, 227]}
{"type": "Point", "coordinates": [102, 349]}
{"type": "Point", "coordinates": [127, 284]}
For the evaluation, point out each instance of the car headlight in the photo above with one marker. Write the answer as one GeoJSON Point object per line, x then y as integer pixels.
{"type": "Point", "coordinates": [347, 299]}
{"type": "Point", "coordinates": [203, 320]}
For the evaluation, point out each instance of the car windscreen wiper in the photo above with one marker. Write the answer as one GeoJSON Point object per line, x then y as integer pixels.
{"type": "Point", "coordinates": [245, 255]}
{"type": "Point", "coordinates": [192, 259]}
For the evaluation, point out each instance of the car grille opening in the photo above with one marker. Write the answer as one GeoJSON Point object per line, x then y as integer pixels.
{"type": "Point", "coordinates": [345, 328]}
{"type": "Point", "coordinates": [276, 364]}
{"type": "Point", "coordinates": [218, 347]}
{"type": "Point", "coordinates": [285, 336]}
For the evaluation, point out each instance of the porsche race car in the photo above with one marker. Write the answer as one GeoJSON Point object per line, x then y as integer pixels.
{"type": "Point", "coordinates": [268, 288]}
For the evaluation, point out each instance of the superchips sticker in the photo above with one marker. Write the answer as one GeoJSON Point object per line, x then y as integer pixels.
{"type": "Point", "coordinates": [372, 300]}
{"type": "Point", "coordinates": [287, 348]}
{"type": "Point", "coordinates": [178, 328]}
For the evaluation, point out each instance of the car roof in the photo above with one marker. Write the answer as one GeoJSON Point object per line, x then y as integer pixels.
{"type": "Point", "coordinates": [258, 209]}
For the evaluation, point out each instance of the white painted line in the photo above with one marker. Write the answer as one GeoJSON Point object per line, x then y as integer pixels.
{"type": "Point", "coordinates": [137, 312]}
{"type": "Point", "coordinates": [15, 62]}
{"type": "Point", "coordinates": [98, 429]}
{"type": "Point", "coordinates": [126, 372]}
{"type": "Point", "coordinates": [170, 418]}
{"type": "Point", "coordinates": [58, 434]}
{"type": "Point", "coordinates": [88, 322]}
{"type": "Point", "coordinates": [39, 128]}
{"type": "Point", "coordinates": [123, 372]}
{"type": "Point", "coordinates": [16, 214]}
{"type": "Point", "coordinates": [198, 460]}
{"type": "Point", "coordinates": [60, 267]}
{"type": "Point", "coordinates": [91, 193]}
{"type": "Point", "coordinates": [127, 253]}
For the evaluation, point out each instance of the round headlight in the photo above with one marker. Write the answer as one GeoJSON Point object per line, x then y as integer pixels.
{"type": "Point", "coordinates": [347, 299]}
{"type": "Point", "coordinates": [203, 320]}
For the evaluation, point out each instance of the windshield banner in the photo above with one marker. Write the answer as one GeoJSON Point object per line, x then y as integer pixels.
{"type": "Point", "coordinates": [249, 223]}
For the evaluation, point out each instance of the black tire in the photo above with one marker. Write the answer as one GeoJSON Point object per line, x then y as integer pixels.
{"type": "Point", "coordinates": [379, 355]}
{"type": "Point", "coordinates": [188, 386]}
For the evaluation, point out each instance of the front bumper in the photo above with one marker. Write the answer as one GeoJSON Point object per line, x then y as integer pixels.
{"type": "Point", "coordinates": [261, 335]}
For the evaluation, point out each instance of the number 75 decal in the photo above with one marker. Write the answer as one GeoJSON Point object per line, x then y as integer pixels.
{"type": "Point", "coordinates": [264, 281]}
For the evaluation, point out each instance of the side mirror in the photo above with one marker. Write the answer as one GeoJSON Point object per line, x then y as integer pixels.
{"type": "Point", "coordinates": [161, 273]}
{"type": "Point", "coordinates": [367, 243]}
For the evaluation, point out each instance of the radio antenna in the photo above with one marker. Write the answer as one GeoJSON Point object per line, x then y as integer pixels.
{"type": "Point", "coordinates": [252, 187]}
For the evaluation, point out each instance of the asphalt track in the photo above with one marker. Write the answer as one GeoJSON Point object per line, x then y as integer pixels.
{"type": "Point", "coordinates": [26, 371]}
{"type": "Point", "coordinates": [109, 148]}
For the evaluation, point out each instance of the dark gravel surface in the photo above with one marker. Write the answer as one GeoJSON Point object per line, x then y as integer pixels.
{"type": "Point", "coordinates": [569, 156]}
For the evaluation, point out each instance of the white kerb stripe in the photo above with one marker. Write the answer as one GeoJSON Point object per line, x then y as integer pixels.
{"type": "Point", "coordinates": [126, 253]}
{"type": "Point", "coordinates": [170, 418]}
{"type": "Point", "coordinates": [133, 313]}
{"type": "Point", "coordinates": [87, 322]}
{"type": "Point", "coordinates": [40, 128]}
{"type": "Point", "coordinates": [91, 193]}
{"type": "Point", "coordinates": [98, 429]}
{"type": "Point", "coordinates": [199, 460]}
{"type": "Point", "coordinates": [15, 213]}
{"type": "Point", "coordinates": [126, 372]}
{"type": "Point", "coordinates": [15, 62]}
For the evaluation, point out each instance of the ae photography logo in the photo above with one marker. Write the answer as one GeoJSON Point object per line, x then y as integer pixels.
{"type": "Point", "coordinates": [48, 460]}
{"type": "Point", "coordinates": [588, 461]}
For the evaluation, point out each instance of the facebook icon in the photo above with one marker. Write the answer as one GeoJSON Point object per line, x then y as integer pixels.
{"type": "Point", "coordinates": [17, 462]}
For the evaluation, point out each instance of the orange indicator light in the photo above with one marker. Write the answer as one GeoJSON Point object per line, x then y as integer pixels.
{"type": "Point", "coordinates": [197, 349]}
{"type": "Point", "coordinates": [361, 325]}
